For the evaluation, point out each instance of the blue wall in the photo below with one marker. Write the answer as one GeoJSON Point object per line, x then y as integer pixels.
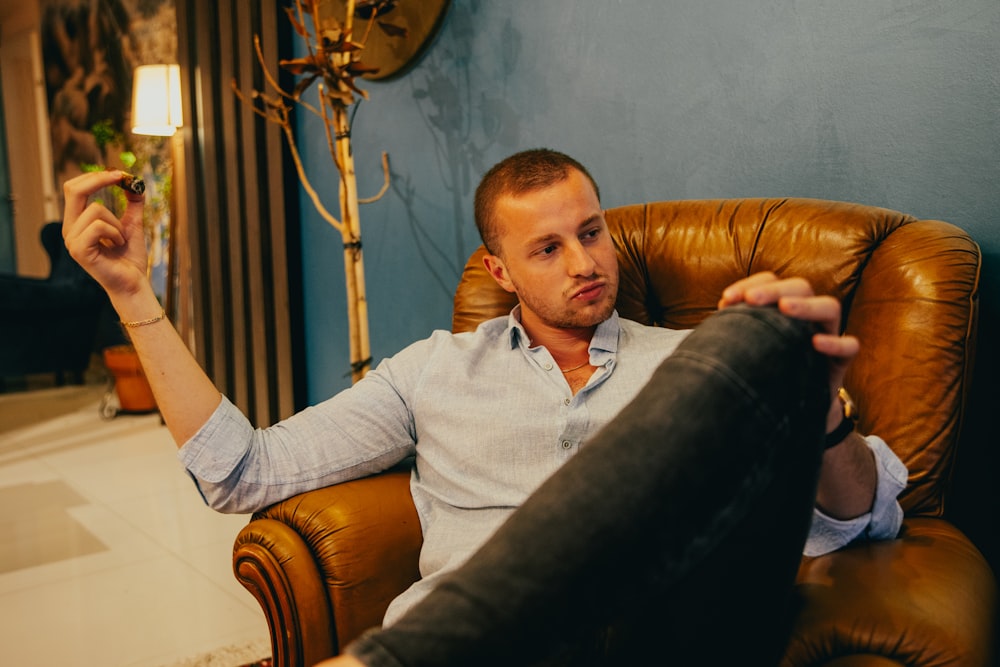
{"type": "Point", "coordinates": [893, 104]}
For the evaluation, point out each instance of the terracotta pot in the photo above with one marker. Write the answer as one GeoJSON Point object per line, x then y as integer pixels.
{"type": "Point", "coordinates": [131, 386]}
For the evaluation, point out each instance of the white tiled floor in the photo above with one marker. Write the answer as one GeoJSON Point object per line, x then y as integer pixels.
{"type": "Point", "coordinates": [161, 590]}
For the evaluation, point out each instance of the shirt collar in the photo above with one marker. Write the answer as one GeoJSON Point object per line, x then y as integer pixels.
{"type": "Point", "coordinates": [605, 337]}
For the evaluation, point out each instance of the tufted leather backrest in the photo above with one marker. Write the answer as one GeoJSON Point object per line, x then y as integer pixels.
{"type": "Point", "coordinates": [910, 289]}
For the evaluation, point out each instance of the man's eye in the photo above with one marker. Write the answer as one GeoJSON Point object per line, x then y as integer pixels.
{"type": "Point", "coordinates": [548, 250]}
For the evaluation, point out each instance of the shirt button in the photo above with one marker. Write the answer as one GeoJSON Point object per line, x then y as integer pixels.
{"type": "Point", "coordinates": [567, 401]}
{"type": "Point", "coordinates": [547, 366]}
{"type": "Point", "coordinates": [566, 444]}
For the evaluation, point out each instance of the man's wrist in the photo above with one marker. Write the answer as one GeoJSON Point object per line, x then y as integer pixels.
{"type": "Point", "coordinates": [849, 419]}
{"type": "Point", "coordinates": [138, 305]}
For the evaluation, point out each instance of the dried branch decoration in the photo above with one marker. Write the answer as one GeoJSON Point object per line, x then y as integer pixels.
{"type": "Point", "coordinates": [333, 62]}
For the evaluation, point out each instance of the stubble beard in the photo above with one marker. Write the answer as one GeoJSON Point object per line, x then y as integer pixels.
{"type": "Point", "coordinates": [568, 317]}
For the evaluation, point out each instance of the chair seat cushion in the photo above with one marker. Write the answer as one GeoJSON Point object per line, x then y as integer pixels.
{"type": "Point", "coordinates": [928, 593]}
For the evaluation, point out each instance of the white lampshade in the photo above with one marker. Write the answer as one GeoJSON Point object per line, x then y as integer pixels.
{"type": "Point", "coordinates": [156, 100]}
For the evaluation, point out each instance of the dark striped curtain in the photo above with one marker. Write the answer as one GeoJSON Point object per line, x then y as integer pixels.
{"type": "Point", "coordinates": [239, 285]}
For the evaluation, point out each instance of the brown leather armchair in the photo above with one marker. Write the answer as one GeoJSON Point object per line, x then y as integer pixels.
{"type": "Point", "coordinates": [324, 565]}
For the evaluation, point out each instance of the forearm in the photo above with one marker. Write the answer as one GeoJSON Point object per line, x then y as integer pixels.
{"type": "Point", "coordinates": [113, 251]}
{"type": "Point", "coordinates": [185, 395]}
{"type": "Point", "coordinates": [847, 479]}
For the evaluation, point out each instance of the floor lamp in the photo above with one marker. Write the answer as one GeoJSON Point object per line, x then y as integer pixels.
{"type": "Point", "coordinates": [157, 111]}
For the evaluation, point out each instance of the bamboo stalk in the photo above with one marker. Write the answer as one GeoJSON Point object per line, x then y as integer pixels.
{"type": "Point", "coordinates": [350, 217]}
{"type": "Point", "coordinates": [357, 302]}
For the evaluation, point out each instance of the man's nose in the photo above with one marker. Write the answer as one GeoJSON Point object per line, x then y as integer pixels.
{"type": "Point", "coordinates": [579, 261]}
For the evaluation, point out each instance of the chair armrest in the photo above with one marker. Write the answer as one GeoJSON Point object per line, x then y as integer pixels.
{"type": "Point", "coordinates": [273, 562]}
{"type": "Point", "coordinates": [928, 597]}
{"type": "Point", "coordinates": [324, 565]}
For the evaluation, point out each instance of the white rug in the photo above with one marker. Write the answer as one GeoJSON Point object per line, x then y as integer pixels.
{"type": "Point", "coordinates": [229, 656]}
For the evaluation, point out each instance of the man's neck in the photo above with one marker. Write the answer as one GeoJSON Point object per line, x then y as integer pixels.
{"type": "Point", "coordinates": [568, 346]}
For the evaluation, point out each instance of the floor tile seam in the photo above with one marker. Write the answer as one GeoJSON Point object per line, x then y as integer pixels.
{"type": "Point", "coordinates": [211, 586]}
{"type": "Point", "coordinates": [86, 491]}
{"type": "Point", "coordinates": [247, 601]}
{"type": "Point", "coordinates": [114, 508]}
{"type": "Point", "coordinates": [143, 529]}
{"type": "Point", "coordinates": [183, 554]}
{"type": "Point", "coordinates": [147, 561]}
{"type": "Point", "coordinates": [61, 578]}
{"type": "Point", "coordinates": [248, 625]}
{"type": "Point", "coordinates": [74, 474]}
{"type": "Point", "coordinates": [71, 442]}
{"type": "Point", "coordinates": [87, 416]}
{"type": "Point", "coordinates": [244, 598]}
{"type": "Point", "coordinates": [124, 556]}
{"type": "Point", "coordinates": [124, 496]}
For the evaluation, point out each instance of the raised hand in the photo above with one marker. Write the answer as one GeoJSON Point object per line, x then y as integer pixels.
{"type": "Point", "coordinates": [110, 249]}
{"type": "Point", "coordinates": [113, 251]}
{"type": "Point", "coordinates": [795, 297]}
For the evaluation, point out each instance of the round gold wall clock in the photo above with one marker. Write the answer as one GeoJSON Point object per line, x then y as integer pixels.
{"type": "Point", "coordinates": [402, 30]}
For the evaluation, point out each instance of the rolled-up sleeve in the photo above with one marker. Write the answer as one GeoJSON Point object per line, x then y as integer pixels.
{"type": "Point", "coordinates": [216, 450]}
{"type": "Point", "coordinates": [883, 521]}
{"type": "Point", "coordinates": [241, 469]}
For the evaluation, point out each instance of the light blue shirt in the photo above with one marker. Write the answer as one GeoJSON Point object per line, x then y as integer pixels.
{"type": "Point", "coordinates": [493, 417]}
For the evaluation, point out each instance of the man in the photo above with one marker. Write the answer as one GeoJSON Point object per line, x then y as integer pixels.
{"type": "Point", "coordinates": [519, 412]}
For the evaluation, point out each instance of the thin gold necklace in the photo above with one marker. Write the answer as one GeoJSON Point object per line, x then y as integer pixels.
{"type": "Point", "coordinates": [576, 368]}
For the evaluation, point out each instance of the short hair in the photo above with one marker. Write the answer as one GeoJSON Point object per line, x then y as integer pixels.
{"type": "Point", "coordinates": [515, 175]}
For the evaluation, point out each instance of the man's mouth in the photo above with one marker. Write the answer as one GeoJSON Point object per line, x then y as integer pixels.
{"type": "Point", "coordinates": [589, 292]}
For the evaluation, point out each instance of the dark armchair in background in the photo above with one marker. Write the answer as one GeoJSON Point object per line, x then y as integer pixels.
{"type": "Point", "coordinates": [50, 325]}
{"type": "Point", "coordinates": [325, 564]}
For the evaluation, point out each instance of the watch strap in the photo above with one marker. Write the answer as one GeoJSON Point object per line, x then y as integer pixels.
{"type": "Point", "coordinates": [839, 434]}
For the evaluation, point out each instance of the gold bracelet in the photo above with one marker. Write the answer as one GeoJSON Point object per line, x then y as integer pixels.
{"type": "Point", "coordinates": [142, 323]}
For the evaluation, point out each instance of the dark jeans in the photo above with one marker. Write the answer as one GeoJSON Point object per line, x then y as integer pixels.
{"type": "Point", "coordinates": [673, 537]}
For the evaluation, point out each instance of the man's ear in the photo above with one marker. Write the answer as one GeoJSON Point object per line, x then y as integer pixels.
{"type": "Point", "coordinates": [495, 266]}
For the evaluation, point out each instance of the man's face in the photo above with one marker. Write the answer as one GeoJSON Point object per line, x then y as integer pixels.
{"type": "Point", "coordinates": [557, 256]}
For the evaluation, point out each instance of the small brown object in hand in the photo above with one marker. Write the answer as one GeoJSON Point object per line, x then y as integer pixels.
{"type": "Point", "coordinates": [130, 183]}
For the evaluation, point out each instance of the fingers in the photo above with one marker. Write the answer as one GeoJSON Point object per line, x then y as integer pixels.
{"type": "Point", "coordinates": [94, 225]}
{"type": "Point", "coordinates": [762, 289]}
{"type": "Point", "coordinates": [839, 347]}
{"type": "Point", "coordinates": [823, 310]}
{"type": "Point", "coordinates": [78, 190]}
{"type": "Point", "coordinates": [132, 218]}
{"type": "Point", "coordinates": [86, 224]}
{"type": "Point", "coordinates": [111, 249]}
{"type": "Point", "coordinates": [795, 297]}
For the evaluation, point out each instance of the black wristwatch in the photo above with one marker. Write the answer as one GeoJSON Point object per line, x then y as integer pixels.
{"type": "Point", "coordinates": [847, 424]}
